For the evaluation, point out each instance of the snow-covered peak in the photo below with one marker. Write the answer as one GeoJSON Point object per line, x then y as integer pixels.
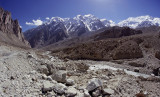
{"type": "Point", "coordinates": [108, 23]}
{"type": "Point", "coordinates": [141, 21]}
{"type": "Point", "coordinates": [89, 16]}
{"type": "Point", "coordinates": [57, 19]}
{"type": "Point", "coordinates": [53, 19]}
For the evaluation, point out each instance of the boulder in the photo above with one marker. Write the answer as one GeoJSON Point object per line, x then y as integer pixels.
{"type": "Point", "coordinates": [60, 76]}
{"type": "Point", "coordinates": [47, 86]}
{"type": "Point", "coordinates": [43, 69]}
{"type": "Point", "coordinates": [70, 82]}
{"type": "Point", "coordinates": [93, 84]}
{"type": "Point", "coordinates": [59, 88]}
{"type": "Point", "coordinates": [51, 69]}
{"type": "Point", "coordinates": [71, 92]}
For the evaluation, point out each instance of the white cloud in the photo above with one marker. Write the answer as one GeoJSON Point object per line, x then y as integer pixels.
{"type": "Point", "coordinates": [20, 26]}
{"type": "Point", "coordinates": [35, 22]}
{"type": "Point", "coordinates": [47, 18]}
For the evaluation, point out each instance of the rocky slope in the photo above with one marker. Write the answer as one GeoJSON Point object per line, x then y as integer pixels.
{"type": "Point", "coordinates": [30, 73]}
{"type": "Point", "coordinates": [10, 31]}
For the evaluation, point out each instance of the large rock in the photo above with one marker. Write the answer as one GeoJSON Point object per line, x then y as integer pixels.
{"type": "Point", "coordinates": [43, 69]}
{"type": "Point", "coordinates": [71, 92]}
{"type": "Point", "coordinates": [93, 84]}
{"type": "Point", "coordinates": [60, 88]}
{"type": "Point", "coordinates": [70, 82]}
{"type": "Point", "coordinates": [47, 86]}
{"type": "Point", "coordinates": [60, 76]}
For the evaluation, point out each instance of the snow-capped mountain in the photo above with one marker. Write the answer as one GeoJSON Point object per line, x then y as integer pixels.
{"type": "Point", "coordinates": [141, 21]}
{"type": "Point", "coordinates": [56, 29]}
{"type": "Point", "coordinates": [90, 22]}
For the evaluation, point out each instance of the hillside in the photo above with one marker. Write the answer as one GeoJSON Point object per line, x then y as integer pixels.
{"type": "Point", "coordinates": [10, 31]}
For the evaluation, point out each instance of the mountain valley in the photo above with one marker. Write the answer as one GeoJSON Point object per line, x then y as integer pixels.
{"type": "Point", "coordinates": [82, 56]}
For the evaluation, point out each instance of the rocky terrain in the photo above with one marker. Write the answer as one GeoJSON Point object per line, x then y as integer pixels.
{"type": "Point", "coordinates": [31, 73]}
{"type": "Point", "coordinates": [114, 62]}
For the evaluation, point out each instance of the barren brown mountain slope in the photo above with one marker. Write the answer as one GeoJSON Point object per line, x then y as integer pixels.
{"type": "Point", "coordinates": [141, 50]}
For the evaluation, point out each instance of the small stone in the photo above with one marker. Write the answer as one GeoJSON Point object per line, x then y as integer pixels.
{"type": "Point", "coordinates": [32, 72]}
{"type": "Point", "coordinates": [70, 82]}
{"type": "Point", "coordinates": [136, 70]}
{"type": "Point", "coordinates": [12, 78]}
{"type": "Point", "coordinates": [93, 84]}
{"type": "Point", "coordinates": [44, 76]}
{"type": "Point", "coordinates": [108, 91]}
{"type": "Point", "coordinates": [49, 78]}
{"type": "Point", "coordinates": [156, 71]}
{"type": "Point", "coordinates": [82, 67]}
{"type": "Point", "coordinates": [71, 92]}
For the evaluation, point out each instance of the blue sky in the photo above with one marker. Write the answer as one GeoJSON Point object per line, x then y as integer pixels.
{"type": "Point", "coordinates": [116, 10]}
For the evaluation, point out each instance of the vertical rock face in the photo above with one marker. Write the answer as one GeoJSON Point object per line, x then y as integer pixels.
{"type": "Point", "coordinates": [11, 28]}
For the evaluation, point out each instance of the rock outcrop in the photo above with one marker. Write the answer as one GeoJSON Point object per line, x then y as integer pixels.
{"type": "Point", "coordinates": [10, 29]}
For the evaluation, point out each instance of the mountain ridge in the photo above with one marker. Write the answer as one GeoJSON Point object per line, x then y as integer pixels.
{"type": "Point", "coordinates": [57, 28]}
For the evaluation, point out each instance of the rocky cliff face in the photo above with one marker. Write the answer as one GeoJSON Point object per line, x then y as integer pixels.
{"type": "Point", "coordinates": [10, 29]}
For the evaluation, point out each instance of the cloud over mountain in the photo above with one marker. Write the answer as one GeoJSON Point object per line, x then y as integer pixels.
{"type": "Point", "coordinates": [35, 22]}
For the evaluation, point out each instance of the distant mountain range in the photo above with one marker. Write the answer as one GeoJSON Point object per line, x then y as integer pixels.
{"type": "Point", "coordinates": [141, 21]}
{"type": "Point", "coordinates": [56, 28]}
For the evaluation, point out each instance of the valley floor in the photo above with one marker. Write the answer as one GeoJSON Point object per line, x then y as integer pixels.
{"type": "Point", "coordinates": [31, 73]}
